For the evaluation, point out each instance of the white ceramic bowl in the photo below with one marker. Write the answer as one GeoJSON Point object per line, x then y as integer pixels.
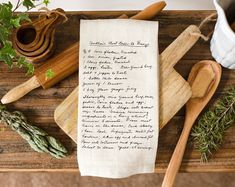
{"type": "Point", "coordinates": [223, 40]}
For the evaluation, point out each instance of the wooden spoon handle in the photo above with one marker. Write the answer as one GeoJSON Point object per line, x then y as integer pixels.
{"type": "Point", "coordinates": [177, 156]}
{"type": "Point", "coordinates": [150, 11]}
{"type": "Point", "coordinates": [21, 90]}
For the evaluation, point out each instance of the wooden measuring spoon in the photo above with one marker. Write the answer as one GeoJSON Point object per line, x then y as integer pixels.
{"type": "Point", "coordinates": [204, 79]}
{"type": "Point", "coordinates": [46, 54]}
{"type": "Point", "coordinates": [29, 34]}
{"type": "Point", "coordinates": [45, 40]}
{"type": "Point", "coordinates": [42, 40]}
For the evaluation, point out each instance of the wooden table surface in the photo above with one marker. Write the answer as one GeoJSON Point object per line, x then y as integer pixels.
{"type": "Point", "coordinates": [39, 105]}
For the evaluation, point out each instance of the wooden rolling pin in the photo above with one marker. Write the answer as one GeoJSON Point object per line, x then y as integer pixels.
{"type": "Point", "coordinates": [151, 11]}
{"type": "Point", "coordinates": [62, 65]}
{"type": "Point", "coordinates": [66, 63]}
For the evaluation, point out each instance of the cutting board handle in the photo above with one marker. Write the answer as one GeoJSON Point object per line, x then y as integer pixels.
{"type": "Point", "coordinates": [177, 49]}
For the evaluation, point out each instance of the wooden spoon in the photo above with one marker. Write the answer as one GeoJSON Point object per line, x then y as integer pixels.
{"type": "Point", "coordinates": [204, 79]}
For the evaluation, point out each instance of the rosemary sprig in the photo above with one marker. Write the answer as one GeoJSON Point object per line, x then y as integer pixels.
{"type": "Point", "coordinates": [37, 138]}
{"type": "Point", "coordinates": [208, 133]}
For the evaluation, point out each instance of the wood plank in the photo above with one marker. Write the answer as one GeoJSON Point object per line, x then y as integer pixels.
{"type": "Point", "coordinates": [40, 104]}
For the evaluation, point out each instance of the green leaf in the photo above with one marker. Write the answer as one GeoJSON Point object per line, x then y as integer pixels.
{"type": "Point", "coordinates": [9, 5]}
{"type": "Point", "coordinates": [24, 17]}
{"type": "Point", "coordinates": [49, 74]}
{"type": "Point", "coordinates": [30, 70]}
{"type": "Point", "coordinates": [28, 4]}
{"type": "Point", "coordinates": [46, 2]}
{"type": "Point", "coordinates": [15, 22]}
{"type": "Point", "coordinates": [7, 59]}
{"type": "Point", "coordinates": [5, 13]}
{"type": "Point", "coordinates": [7, 49]}
{"type": "Point", "coordinates": [22, 62]}
{"type": "Point", "coordinates": [7, 54]}
{"type": "Point", "coordinates": [4, 34]}
{"type": "Point", "coordinates": [34, 130]}
{"type": "Point", "coordinates": [5, 10]}
{"type": "Point", "coordinates": [56, 144]}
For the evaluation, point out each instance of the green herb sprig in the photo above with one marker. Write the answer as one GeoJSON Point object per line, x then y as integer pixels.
{"type": "Point", "coordinates": [9, 20]}
{"type": "Point", "coordinates": [49, 74]}
{"type": "Point", "coordinates": [208, 133]}
{"type": "Point", "coordinates": [37, 138]}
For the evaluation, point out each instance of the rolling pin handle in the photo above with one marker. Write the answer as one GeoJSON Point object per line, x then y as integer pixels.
{"type": "Point", "coordinates": [151, 11]}
{"type": "Point", "coordinates": [21, 90]}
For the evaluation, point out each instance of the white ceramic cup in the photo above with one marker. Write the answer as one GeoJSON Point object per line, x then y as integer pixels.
{"type": "Point", "coordinates": [223, 39]}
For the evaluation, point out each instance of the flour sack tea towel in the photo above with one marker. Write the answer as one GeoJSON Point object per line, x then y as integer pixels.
{"type": "Point", "coordinates": [118, 97]}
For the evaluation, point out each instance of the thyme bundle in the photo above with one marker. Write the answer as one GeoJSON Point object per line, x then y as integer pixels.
{"type": "Point", "coordinates": [208, 133]}
{"type": "Point", "coordinates": [37, 138]}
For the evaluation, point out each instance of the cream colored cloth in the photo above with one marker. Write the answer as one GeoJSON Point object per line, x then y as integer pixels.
{"type": "Point", "coordinates": [118, 97]}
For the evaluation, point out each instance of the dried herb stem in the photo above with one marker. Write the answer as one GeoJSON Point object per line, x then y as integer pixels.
{"type": "Point", "coordinates": [37, 138]}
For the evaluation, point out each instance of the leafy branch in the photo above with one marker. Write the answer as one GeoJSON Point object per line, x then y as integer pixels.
{"type": "Point", "coordinates": [208, 133]}
{"type": "Point", "coordinates": [9, 21]}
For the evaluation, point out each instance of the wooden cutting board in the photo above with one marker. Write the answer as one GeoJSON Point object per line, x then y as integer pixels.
{"type": "Point", "coordinates": [174, 90]}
